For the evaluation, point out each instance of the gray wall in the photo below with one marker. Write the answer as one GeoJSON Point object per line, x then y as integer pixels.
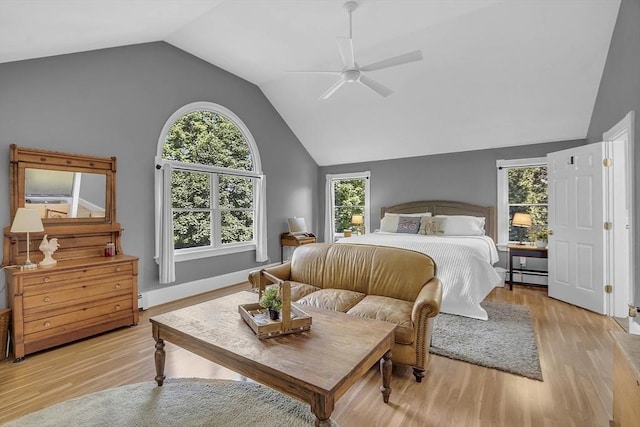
{"type": "Point", "coordinates": [469, 176]}
{"type": "Point", "coordinates": [619, 93]}
{"type": "Point", "coordinates": [114, 102]}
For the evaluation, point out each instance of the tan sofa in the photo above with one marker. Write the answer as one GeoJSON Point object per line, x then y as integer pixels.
{"type": "Point", "coordinates": [390, 284]}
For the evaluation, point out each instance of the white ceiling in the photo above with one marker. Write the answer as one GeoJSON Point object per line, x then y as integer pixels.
{"type": "Point", "coordinates": [494, 74]}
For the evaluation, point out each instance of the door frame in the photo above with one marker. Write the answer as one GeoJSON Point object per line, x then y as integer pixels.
{"type": "Point", "coordinates": [626, 126]}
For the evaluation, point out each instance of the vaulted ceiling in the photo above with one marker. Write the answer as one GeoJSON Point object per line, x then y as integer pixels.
{"type": "Point", "coordinates": [494, 73]}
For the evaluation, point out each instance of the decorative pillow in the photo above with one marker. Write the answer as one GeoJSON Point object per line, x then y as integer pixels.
{"type": "Point", "coordinates": [408, 224]}
{"type": "Point", "coordinates": [389, 223]}
{"type": "Point", "coordinates": [432, 226]}
{"type": "Point", "coordinates": [463, 225]}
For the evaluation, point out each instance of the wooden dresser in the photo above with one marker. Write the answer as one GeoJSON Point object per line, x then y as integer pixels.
{"type": "Point", "coordinates": [85, 292]}
{"type": "Point", "coordinates": [75, 299]}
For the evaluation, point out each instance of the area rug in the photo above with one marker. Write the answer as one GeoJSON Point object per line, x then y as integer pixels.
{"type": "Point", "coordinates": [506, 341]}
{"type": "Point", "coordinates": [179, 402]}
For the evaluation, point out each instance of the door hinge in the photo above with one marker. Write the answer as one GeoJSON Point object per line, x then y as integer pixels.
{"type": "Point", "coordinates": [608, 225]}
{"type": "Point", "coordinates": [608, 288]}
{"type": "Point", "coordinates": [607, 162]}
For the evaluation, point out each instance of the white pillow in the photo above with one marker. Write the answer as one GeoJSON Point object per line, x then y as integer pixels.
{"type": "Point", "coordinates": [389, 223]}
{"type": "Point", "coordinates": [463, 225]}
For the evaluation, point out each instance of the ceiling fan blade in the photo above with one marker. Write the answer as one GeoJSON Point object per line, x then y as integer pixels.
{"type": "Point", "coordinates": [375, 86]}
{"type": "Point", "coordinates": [345, 46]}
{"type": "Point", "coordinates": [313, 72]}
{"type": "Point", "coordinates": [416, 55]}
{"type": "Point", "coordinates": [332, 89]}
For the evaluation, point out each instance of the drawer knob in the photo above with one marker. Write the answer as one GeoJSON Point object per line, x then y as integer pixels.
{"type": "Point", "coordinates": [46, 299]}
{"type": "Point", "coordinates": [118, 286]}
{"type": "Point", "coordinates": [117, 307]}
{"type": "Point", "coordinates": [46, 280]}
{"type": "Point", "coordinates": [47, 324]}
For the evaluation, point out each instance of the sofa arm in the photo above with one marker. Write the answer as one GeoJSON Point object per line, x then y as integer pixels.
{"type": "Point", "coordinates": [282, 271]}
{"type": "Point", "coordinates": [428, 302]}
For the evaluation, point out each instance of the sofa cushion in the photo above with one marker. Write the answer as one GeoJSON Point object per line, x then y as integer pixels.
{"type": "Point", "coordinates": [332, 299]}
{"type": "Point", "coordinates": [390, 310]}
{"type": "Point", "coordinates": [300, 290]}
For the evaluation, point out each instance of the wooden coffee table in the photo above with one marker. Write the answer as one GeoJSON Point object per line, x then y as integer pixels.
{"type": "Point", "coordinates": [317, 366]}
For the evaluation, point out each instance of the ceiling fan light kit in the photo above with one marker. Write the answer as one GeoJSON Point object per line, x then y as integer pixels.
{"type": "Point", "coordinates": [352, 72]}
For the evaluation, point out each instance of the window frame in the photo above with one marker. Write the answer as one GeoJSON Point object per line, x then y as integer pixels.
{"type": "Point", "coordinates": [187, 254]}
{"type": "Point", "coordinates": [330, 234]}
{"type": "Point", "coordinates": [502, 205]}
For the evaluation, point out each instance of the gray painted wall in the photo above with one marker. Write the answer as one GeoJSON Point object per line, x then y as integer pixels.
{"type": "Point", "coordinates": [114, 102]}
{"type": "Point", "coordinates": [467, 176]}
{"type": "Point", "coordinates": [619, 93]}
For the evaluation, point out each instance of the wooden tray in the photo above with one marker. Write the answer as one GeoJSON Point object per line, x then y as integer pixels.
{"type": "Point", "coordinates": [292, 319]}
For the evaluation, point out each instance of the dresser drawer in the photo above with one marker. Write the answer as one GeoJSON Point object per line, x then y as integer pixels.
{"type": "Point", "coordinates": [71, 296]}
{"type": "Point", "coordinates": [78, 274]}
{"type": "Point", "coordinates": [54, 322]}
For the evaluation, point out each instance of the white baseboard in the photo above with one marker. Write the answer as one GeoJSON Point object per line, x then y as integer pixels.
{"type": "Point", "coordinates": [189, 289]}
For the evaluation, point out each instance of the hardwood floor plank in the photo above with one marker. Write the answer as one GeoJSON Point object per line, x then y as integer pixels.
{"type": "Point", "coordinates": [576, 355]}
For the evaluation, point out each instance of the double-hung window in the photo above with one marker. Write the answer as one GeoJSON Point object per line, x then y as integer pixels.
{"type": "Point", "coordinates": [209, 188]}
{"type": "Point", "coordinates": [347, 203]}
{"type": "Point", "coordinates": [522, 187]}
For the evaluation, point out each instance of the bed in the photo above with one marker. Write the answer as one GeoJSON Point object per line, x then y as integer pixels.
{"type": "Point", "coordinates": [464, 262]}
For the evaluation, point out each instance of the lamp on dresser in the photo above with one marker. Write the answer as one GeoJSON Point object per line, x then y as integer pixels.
{"type": "Point", "coordinates": [357, 220]}
{"type": "Point", "coordinates": [27, 221]}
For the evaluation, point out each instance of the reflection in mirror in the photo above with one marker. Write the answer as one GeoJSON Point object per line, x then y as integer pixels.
{"type": "Point", "coordinates": [61, 194]}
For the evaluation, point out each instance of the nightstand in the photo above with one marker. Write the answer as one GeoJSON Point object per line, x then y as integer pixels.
{"type": "Point", "coordinates": [287, 239]}
{"type": "Point", "coordinates": [526, 252]}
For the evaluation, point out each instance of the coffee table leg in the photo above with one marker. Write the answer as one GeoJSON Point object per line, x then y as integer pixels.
{"type": "Point", "coordinates": [159, 356]}
{"type": "Point", "coordinates": [385, 370]}
{"type": "Point", "coordinates": [322, 407]}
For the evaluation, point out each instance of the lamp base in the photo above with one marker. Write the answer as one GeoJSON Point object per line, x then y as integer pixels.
{"type": "Point", "coordinates": [28, 265]}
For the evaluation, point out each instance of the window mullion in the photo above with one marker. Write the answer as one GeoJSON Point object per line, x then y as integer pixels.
{"type": "Point", "coordinates": [216, 219]}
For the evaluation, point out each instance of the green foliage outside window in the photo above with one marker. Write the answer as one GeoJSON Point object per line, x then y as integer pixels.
{"type": "Point", "coordinates": [349, 199]}
{"type": "Point", "coordinates": [528, 193]}
{"type": "Point", "coordinates": [207, 138]}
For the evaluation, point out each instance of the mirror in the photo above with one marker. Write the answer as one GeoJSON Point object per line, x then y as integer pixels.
{"type": "Point", "coordinates": [64, 194]}
{"type": "Point", "coordinates": [64, 188]}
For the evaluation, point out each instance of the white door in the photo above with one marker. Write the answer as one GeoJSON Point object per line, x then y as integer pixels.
{"type": "Point", "coordinates": [578, 247]}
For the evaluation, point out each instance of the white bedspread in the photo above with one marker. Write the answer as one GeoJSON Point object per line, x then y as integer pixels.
{"type": "Point", "coordinates": [464, 265]}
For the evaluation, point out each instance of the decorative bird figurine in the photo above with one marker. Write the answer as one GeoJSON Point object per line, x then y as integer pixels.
{"type": "Point", "coordinates": [48, 247]}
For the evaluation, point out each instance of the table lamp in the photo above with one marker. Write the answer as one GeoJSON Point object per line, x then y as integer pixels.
{"type": "Point", "coordinates": [357, 220]}
{"type": "Point", "coordinates": [521, 220]}
{"type": "Point", "coordinates": [27, 221]}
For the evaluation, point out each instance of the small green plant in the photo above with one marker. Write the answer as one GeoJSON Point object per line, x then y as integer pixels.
{"type": "Point", "coordinates": [271, 298]}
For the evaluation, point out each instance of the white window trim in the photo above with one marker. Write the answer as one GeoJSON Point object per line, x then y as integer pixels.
{"type": "Point", "coordinates": [502, 206]}
{"type": "Point", "coordinates": [329, 217]}
{"type": "Point", "coordinates": [259, 235]}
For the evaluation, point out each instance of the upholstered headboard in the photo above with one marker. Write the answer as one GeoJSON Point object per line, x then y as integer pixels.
{"type": "Point", "coordinates": [444, 207]}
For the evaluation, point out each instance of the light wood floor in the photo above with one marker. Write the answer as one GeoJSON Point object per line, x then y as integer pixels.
{"type": "Point", "coordinates": [574, 345]}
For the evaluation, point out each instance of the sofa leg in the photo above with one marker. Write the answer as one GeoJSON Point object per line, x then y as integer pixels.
{"type": "Point", "coordinates": [419, 374]}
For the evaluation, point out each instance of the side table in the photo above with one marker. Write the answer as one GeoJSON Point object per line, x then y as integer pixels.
{"type": "Point", "coordinates": [287, 239]}
{"type": "Point", "coordinates": [527, 252]}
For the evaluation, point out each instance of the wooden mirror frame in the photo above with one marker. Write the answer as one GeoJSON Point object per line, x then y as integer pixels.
{"type": "Point", "coordinates": [78, 237]}
{"type": "Point", "coordinates": [28, 158]}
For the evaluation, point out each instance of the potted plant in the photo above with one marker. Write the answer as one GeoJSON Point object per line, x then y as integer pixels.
{"type": "Point", "coordinates": [539, 234]}
{"type": "Point", "coordinates": [272, 301]}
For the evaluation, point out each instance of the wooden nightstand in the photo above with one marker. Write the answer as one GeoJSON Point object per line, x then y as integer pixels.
{"type": "Point", "coordinates": [287, 239]}
{"type": "Point", "coordinates": [527, 252]}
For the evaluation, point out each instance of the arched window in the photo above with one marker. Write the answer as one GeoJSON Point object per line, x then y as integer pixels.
{"type": "Point", "coordinates": [209, 188]}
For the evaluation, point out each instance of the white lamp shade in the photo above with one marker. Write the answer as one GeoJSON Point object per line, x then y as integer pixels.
{"type": "Point", "coordinates": [297, 225]}
{"type": "Point", "coordinates": [521, 219]}
{"type": "Point", "coordinates": [27, 221]}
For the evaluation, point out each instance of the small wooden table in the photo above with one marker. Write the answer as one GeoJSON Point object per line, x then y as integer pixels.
{"type": "Point", "coordinates": [527, 252]}
{"type": "Point", "coordinates": [287, 239]}
{"type": "Point", "coordinates": [317, 366]}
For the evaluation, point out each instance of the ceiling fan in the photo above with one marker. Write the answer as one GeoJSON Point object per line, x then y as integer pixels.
{"type": "Point", "coordinates": [352, 72]}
